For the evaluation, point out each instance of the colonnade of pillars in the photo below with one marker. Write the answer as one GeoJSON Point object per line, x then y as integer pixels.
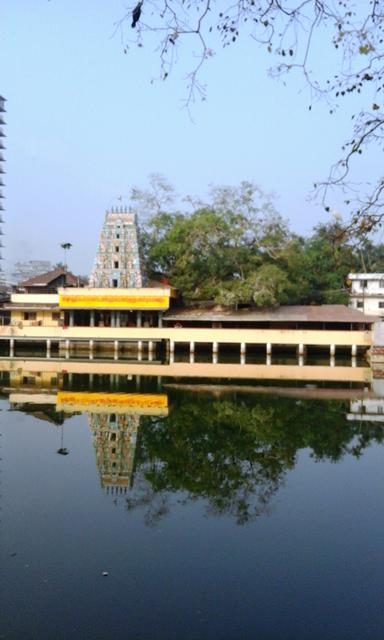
{"type": "Point", "coordinates": [115, 318]}
{"type": "Point", "coordinates": [116, 344]}
{"type": "Point", "coordinates": [301, 351]}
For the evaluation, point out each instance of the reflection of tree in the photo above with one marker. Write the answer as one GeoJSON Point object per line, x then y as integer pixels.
{"type": "Point", "coordinates": [234, 454]}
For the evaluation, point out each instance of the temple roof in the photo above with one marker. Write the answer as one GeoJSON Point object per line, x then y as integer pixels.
{"type": "Point", "coordinates": [44, 279]}
{"type": "Point", "coordinates": [294, 313]}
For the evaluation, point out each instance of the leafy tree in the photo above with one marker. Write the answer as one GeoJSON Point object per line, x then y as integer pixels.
{"type": "Point", "coordinates": [220, 250]}
{"type": "Point", "coordinates": [235, 452]}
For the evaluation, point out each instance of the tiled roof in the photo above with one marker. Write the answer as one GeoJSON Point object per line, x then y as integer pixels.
{"type": "Point", "coordinates": [296, 313]}
{"type": "Point", "coordinates": [45, 279]}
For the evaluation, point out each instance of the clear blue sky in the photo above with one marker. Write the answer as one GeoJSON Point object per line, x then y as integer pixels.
{"type": "Point", "coordinates": [85, 124]}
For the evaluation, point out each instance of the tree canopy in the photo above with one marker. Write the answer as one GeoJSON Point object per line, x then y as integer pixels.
{"type": "Point", "coordinates": [237, 249]}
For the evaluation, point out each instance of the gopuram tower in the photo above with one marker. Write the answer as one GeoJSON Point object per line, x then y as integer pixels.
{"type": "Point", "coordinates": [117, 262]}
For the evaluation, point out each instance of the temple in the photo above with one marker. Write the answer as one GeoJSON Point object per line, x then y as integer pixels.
{"type": "Point", "coordinates": [117, 263]}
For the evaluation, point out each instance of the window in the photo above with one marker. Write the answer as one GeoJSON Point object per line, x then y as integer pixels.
{"type": "Point", "coordinates": [116, 249]}
{"type": "Point", "coordinates": [359, 304]}
{"type": "Point", "coordinates": [30, 315]}
{"type": "Point", "coordinates": [113, 450]}
{"type": "Point", "coordinates": [117, 235]}
{"type": "Point", "coordinates": [381, 305]}
{"type": "Point", "coordinates": [114, 283]}
{"type": "Point", "coordinates": [381, 284]}
{"type": "Point", "coordinates": [56, 315]}
{"type": "Point", "coordinates": [364, 284]}
{"type": "Point", "coordinates": [116, 264]}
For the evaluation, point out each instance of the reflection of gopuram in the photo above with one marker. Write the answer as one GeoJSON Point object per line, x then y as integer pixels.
{"type": "Point", "coordinates": [114, 420]}
{"type": "Point", "coordinates": [114, 439]}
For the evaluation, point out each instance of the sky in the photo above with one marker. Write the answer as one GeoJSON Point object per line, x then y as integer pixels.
{"type": "Point", "coordinates": [86, 123]}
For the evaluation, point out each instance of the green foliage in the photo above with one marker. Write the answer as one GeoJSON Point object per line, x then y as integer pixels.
{"type": "Point", "coordinates": [234, 452]}
{"type": "Point", "coordinates": [237, 249]}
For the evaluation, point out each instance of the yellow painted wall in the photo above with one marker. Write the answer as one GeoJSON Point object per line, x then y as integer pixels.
{"type": "Point", "coordinates": [44, 318]}
{"type": "Point", "coordinates": [185, 335]}
{"type": "Point", "coordinates": [144, 298]}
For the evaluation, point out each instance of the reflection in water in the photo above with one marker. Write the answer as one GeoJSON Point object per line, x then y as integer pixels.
{"type": "Point", "coordinates": [228, 445]}
{"type": "Point", "coordinates": [114, 440]}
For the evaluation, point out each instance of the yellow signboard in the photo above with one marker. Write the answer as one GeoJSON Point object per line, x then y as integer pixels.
{"type": "Point", "coordinates": [112, 400]}
{"type": "Point", "coordinates": [68, 301]}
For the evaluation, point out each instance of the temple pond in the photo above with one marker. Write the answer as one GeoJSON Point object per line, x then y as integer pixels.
{"type": "Point", "coordinates": [184, 509]}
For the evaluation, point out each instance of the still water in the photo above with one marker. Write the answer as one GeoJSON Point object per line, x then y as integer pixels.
{"type": "Point", "coordinates": [216, 509]}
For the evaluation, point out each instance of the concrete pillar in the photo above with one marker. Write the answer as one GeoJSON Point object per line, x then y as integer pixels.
{"type": "Point", "coordinates": [332, 350]}
{"type": "Point", "coordinates": [67, 345]}
{"type": "Point", "coordinates": [269, 348]}
{"type": "Point", "coordinates": [140, 350]}
{"type": "Point", "coordinates": [354, 361]}
{"type": "Point", "coordinates": [113, 319]}
{"type": "Point", "coordinates": [91, 380]}
{"type": "Point", "coordinates": [215, 352]}
{"type": "Point", "coordinates": [48, 348]}
{"type": "Point", "coordinates": [332, 361]}
{"type": "Point", "coordinates": [91, 349]}
{"type": "Point", "coordinates": [172, 346]}
{"type": "Point", "coordinates": [71, 318]}
{"type": "Point", "coordinates": [150, 350]}
{"type": "Point", "coordinates": [11, 347]}
{"type": "Point", "coordinates": [138, 382]}
{"type": "Point", "coordinates": [300, 350]}
{"type": "Point", "coordinates": [92, 318]}
{"type": "Point", "coordinates": [268, 361]}
{"type": "Point", "coordinates": [301, 361]}
{"type": "Point", "coordinates": [160, 319]}
{"type": "Point", "coordinates": [70, 379]}
{"type": "Point", "coordinates": [138, 318]}
{"type": "Point", "coordinates": [354, 350]}
{"type": "Point", "coordinates": [117, 318]}
{"type": "Point", "coordinates": [116, 349]}
{"type": "Point", "coordinates": [243, 352]}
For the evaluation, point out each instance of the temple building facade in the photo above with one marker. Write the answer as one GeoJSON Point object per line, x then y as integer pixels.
{"type": "Point", "coordinates": [117, 263]}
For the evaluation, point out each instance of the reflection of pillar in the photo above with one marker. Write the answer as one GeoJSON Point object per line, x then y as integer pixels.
{"type": "Point", "coordinates": [48, 348]}
{"type": "Point", "coordinates": [67, 348]}
{"type": "Point", "coordinates": [171, 351]}
{"type": "Point", "coordinates": [90, 349]}
{"type": "Point", "coordinates": [114, 440]}
{"type": "Point", "coordinates": [243, 352]}
{"type": "Point", "coordinates": [150, 350]}
{"type": "Point", "coordinates": [138, 318]}
{"type": "Point", "coordinates": [160, 319]}
{"type": "Point", "coordinates": [215, 352]}
{"type": "Point", "coordinates": [140, 350]}
{"type": "Point", "coordinates": [11, 347]}
{"type": "Point", "coordinates": [354, 351]}
{"type": "Point", "coordinates": [116, 349]}
{"type": "Point", "coordinates": [92, 318]}
{"type": "Point", "coordinates": [269, 348]}
{"type": "Point", "coordinates": [71, 318]}
{"type": "Point", "coordinates": [332, 350]}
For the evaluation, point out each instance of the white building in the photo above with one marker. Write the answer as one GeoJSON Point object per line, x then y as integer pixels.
{"type": "Point", "coordinates": [367, 293]}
